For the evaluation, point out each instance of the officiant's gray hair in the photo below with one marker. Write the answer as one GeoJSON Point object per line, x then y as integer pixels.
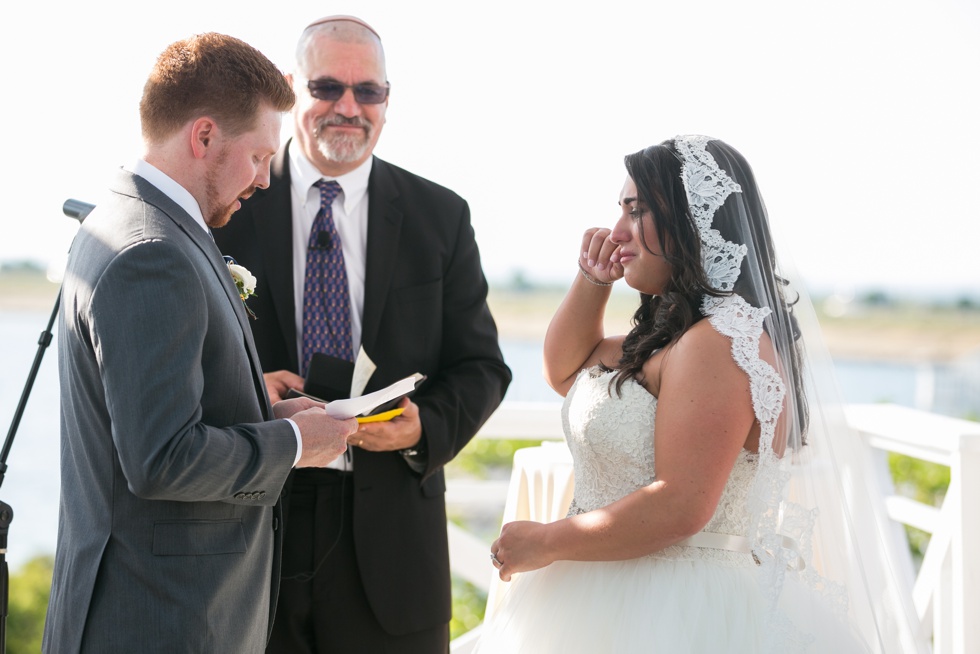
{"type": "Point", "coordinates": [346, 29]}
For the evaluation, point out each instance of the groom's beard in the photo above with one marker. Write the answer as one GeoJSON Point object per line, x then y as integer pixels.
{"type": "Point", "coordinates": [218, 215]}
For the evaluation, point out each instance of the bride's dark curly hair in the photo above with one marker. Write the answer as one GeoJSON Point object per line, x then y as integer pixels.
{"type": "Point", "coordinates": [662, 319]}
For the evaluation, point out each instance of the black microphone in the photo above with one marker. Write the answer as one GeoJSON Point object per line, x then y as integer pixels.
{"type": "Point", "coordinates": [323, 240]}
{"type": "Point", "coordinates": [77, 209]}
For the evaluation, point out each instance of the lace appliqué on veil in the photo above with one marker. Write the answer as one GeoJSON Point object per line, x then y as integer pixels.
{"type": "Point", "coordinates": [779, 530]}
{"type": "Point", "coordinates": [708, 186]}
{"type": "Point", "coordinates": [735, 318]}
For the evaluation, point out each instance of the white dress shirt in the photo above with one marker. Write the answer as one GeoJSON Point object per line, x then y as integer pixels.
{"type": "Point", "coordinates": [188, 203]}
{"type": "Point", "coordinates": [171, 189]}
{"type": "Point", "coordinates": [350, 215]}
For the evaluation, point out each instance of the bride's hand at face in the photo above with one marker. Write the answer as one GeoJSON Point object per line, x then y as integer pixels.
{"type": "Point", "coordinates": [600, 256]}
{"type": "Point", "coordinates": [520, 548]}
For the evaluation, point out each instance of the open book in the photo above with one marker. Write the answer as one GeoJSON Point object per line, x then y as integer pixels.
{"type": "Point", "coordinates": [384, 400]}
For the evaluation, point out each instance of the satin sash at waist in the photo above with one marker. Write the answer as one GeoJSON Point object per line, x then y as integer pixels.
{"type": "Point", "coordinates": [740, 544]}
{"type": "Point", "coordinates": [718, 542]}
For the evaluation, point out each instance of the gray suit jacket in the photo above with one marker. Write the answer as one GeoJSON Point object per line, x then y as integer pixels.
{"type": "Point", "coordinates": [170, 467]}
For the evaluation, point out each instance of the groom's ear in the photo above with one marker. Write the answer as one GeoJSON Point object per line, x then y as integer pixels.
{"type": "Point", "coordinates": [202, 135]}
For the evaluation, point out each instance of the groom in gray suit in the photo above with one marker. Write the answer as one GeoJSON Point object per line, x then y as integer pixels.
{"type": "Point", "coordinates": [172, 459]}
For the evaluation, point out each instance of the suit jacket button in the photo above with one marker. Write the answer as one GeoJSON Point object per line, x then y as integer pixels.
{"type": "Point", "coordinates": [240, 496]}
{"type": "Point", "coordinates": [261, 495]}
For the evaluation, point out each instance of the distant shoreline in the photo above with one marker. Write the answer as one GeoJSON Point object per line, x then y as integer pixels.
{"type": "Point", "coordinates": [908, 334]}
{"type": "Point", "coordinates": [26, 291]}
{"type": "Point", "coordinates": [900, 334]}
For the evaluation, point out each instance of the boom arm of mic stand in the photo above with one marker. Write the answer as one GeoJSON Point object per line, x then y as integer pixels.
{"type": "Point", "coordinates": [73, 209]}
{"type": "Point", "coordinates": [6, 512]}
{"type": "Point", "coordinates": [6, 515]}
{"type": "Point", "coordinates": [77, 210]}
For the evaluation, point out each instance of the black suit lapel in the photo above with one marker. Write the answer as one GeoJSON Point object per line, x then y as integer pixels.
{"type": "Point", "coordinates": [273, 216]}
{"type": "Point", "coordinates": [384, 229]}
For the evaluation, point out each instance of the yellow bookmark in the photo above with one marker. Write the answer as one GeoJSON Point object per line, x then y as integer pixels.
{"type": "Point", "coordinates": [381, 417]}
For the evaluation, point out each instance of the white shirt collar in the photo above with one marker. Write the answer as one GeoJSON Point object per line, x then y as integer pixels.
{"type": "Point", "coordinates": [171, 189]}
{"type": "Point", "coordinates": [303, 175]}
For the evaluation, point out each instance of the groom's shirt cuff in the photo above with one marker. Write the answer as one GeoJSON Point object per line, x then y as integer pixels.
{"type": "Point", "coordinates": [299, 441]}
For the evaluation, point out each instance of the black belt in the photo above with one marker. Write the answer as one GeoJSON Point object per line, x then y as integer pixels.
{"type": "Point", "coordinates": [319, 476]}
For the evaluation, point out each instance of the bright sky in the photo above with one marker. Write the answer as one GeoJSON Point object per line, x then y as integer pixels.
{"type": "Point", "coordinates": [859, 116]}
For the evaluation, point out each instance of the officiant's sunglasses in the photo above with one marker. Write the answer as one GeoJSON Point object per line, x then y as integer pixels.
{"type": "Point", "coordinates": [331, 90]}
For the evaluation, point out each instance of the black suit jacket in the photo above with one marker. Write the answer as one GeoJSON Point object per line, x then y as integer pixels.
{"type": "Point", "coordinates": [424, 311]}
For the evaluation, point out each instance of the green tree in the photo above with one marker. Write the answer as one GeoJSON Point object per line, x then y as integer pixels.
{"type": "Point", "coordinates": [30, 588]}
{"type": "Point", "coordinates": [924, 482]}
{"type": "Point", "coordinates": [469, 604]}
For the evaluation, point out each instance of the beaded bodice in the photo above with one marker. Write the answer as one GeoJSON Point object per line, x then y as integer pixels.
{"type": "Point", "coordinates": [611, 439]}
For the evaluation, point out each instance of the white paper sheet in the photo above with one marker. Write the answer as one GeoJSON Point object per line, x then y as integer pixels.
{"type": "Point", "coordinates": [363, 369]}
{"type": "Point", "coordinates": [366, 403]}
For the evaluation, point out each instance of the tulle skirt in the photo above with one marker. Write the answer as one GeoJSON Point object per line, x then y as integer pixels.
{"type": "Point", "coordinates": [651, 605]}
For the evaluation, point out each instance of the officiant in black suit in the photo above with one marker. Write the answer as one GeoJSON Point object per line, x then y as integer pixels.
{"type": "Point", "coordinates": [363, 253]}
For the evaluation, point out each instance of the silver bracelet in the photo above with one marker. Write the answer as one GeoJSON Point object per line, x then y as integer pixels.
{"type": "Point", "coordinates": [590, 278]}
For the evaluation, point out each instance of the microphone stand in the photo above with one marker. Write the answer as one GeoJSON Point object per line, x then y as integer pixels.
{"type": "Point", "coordinates": [77, 210]}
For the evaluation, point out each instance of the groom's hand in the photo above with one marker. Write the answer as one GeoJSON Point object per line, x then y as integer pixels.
{"type": "Point", "coordinates": [324, 438]}
{"type": "Point", "coordinates": [287, 408]}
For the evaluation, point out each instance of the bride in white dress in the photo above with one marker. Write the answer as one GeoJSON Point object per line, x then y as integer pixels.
{"type": "Point", "coordinates": [694, 527]}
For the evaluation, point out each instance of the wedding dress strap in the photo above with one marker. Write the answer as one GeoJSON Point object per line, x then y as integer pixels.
{"type": "Point", "coordinates": [740, 544]}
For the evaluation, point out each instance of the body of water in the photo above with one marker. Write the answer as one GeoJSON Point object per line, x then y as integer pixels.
{"type": "Point", "coordinates": [31, 486]}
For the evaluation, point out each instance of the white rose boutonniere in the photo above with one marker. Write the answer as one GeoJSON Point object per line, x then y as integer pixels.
{"type": "Point", "coordinates": [244, 282]}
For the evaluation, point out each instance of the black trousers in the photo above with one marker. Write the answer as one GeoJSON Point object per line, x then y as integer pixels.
{"type": "Point", "coordinates": [322, 606]}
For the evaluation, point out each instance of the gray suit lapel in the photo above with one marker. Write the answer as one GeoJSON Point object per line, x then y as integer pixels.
{"type": "Point", "coordinates": [137, 187]}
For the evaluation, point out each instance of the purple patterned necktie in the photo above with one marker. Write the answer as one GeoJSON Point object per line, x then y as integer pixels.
{"type": "Point", "coordinates": [326, 297]}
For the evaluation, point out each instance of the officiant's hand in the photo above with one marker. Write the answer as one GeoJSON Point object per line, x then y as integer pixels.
{"type": "Point", "coordinates": [399, 433]}
{"type": "Point", "coordinates": [520, 547]}
{"type": "Point", "coordinates": [279, 382]}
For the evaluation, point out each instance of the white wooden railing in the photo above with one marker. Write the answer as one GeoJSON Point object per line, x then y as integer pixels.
{"type": "Point", "coordinates": [946, 589]}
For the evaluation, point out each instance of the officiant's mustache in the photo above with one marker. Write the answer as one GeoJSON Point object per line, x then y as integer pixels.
{"type": "Point", "coordinates": [341, 121]}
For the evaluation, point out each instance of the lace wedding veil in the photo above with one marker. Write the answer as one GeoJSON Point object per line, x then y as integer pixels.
{"type": "Point", "coordinates": [817, 523]}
